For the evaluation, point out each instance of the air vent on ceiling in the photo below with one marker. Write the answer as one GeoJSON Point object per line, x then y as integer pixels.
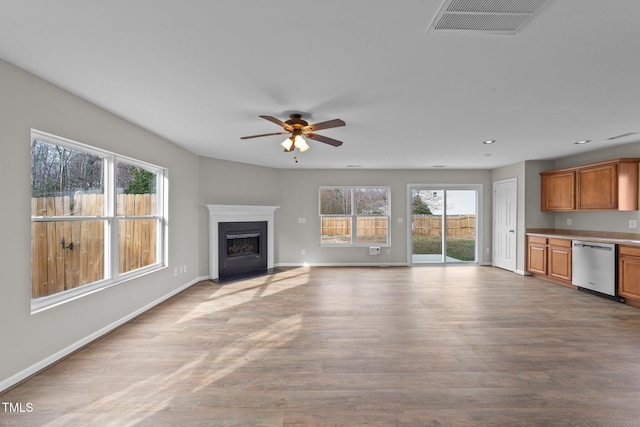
{"type": "Point", "coordinates": [485, 16]}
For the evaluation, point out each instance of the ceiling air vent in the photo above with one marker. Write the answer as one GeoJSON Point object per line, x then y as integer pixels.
{"type": "Point", "coordinates": [485, 16]}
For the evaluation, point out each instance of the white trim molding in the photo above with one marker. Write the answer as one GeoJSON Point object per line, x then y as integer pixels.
{"type": "Point", "coordinates": [238, 213]}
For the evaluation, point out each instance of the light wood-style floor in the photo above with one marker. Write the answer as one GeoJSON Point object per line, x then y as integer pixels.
{"type": "Point", "coordinates": [422, 346]}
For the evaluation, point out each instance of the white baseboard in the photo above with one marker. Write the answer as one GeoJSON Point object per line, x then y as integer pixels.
{"type": "Point", "coordinates": [362, 264]}
{"type": "Point", "coordinates": [37, 367]}
{"type": "Point", "coordinates": [333, 264]}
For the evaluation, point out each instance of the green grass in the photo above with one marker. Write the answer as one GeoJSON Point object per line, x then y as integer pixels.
{"type": "Point", "coordinates": [461, 249]}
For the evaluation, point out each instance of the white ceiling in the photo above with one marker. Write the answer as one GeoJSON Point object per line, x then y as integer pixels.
{"type": "Point", "coordinates": [199, 72]}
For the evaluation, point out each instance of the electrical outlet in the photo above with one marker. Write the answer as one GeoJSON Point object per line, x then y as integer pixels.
{"type": "Point", "coordinates": [184, 268]}
{"type": "Point", "coordinates": [388, 251]}
{"type": "Point", "coordinates": [175, 271]}
{"type": "Point", "coordinates": [569, 221]}
{"type": "Point", "coordinates": [633, 223]}
{"type": "Point", "coordinates": [304, 252]}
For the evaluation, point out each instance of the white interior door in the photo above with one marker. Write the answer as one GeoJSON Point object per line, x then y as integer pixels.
{"type": "Point", "coordinates": [504, 224]}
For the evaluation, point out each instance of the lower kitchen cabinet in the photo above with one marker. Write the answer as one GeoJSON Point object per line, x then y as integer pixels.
{"type": "Point", "coordinates": [550, 259]}
{"type": "Point", "coordinates": [537, 255]}
{"type": "Point", "coordinates": [560, 259]}
{"type": "Point", "coordinates": [629, 273]}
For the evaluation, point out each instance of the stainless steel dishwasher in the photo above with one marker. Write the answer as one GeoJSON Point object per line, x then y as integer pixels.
{"type": "Point", "coordinates": [594, 266]}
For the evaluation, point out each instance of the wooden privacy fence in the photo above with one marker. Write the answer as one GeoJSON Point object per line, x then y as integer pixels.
{"type": "Point", "coordinates": [68, 254]}
{"type": "Point", "coordinates": [341, 226]}
{"type": "Point", "coordinates": [462, 226]}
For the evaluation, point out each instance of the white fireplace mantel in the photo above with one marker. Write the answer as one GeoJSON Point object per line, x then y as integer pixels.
{"type": "Point", "coordinates": [238, 213]}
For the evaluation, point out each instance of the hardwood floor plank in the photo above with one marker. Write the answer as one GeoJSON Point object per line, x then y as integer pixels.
{"type": "Point", "coordinates": [432, 346]}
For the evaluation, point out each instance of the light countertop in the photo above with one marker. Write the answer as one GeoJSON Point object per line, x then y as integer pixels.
{"type": "Point", "coordinates": [593, 236]}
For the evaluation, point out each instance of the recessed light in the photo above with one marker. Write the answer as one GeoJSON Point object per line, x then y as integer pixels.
{"type": "Point", "coordinates": [584, 141]}
{"type": "Point", "coordinates": [438, 166]}
{"type": "Point", "coordinates": [489, 141]}
{"type": "Point", "coordinates": [487, 155]}
{"type": "Point", "coordinates": [354, 166]}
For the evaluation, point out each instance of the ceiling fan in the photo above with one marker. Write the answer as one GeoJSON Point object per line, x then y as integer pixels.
{"type": "Point", "coordinates": [298, 128]}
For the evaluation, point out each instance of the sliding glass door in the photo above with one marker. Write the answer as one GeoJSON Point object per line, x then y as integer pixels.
{"type": "Point", "coordinates": [444, 224]}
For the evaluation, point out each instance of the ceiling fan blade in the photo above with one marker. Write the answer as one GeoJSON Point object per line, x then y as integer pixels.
{"type": "Point", "coordinates": [278, 122]}
{"type": "Point", "coordinates": [264, 134]}
{"type": "Point", "coordinates": [324, 139]}
{"type": "Point", "coordinates": [325, 125]}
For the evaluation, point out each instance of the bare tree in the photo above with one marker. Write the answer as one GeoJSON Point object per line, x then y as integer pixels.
{"type": "Point", "coordinates": [57, 170]}
{"type": "Point", "coordinates": [335, 201]}
{"type": "Point", "coordinates": [433, 200]}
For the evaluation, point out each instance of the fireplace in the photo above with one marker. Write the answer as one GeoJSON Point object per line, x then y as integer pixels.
{"type": "Point", "coordinates": [242, 248]}
{"type": "Point", "coordinates": [239, 214]}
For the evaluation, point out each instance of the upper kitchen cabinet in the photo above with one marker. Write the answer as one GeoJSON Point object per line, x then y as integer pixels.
{"type": "Point", "coordinates": [610, 185]}
{"type": "Point", "coordinates": [558, 191]}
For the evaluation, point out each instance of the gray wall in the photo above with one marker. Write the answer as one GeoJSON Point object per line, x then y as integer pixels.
{"type": "Point", "coordinates": [599, 221]}
{"type": "Point", "coordinates": [230, 183]}
{"type": "Point", "coordinates": [299, 199]}
{"type": "Point", "coordinates": [28, 102]}
{"type": "Point", "coordinates": [534, 216]}
{"type": "Point", "coordinates": [296, 192]}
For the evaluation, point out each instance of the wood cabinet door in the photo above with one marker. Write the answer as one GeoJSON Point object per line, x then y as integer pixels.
{"type": "Point", "coordinates": [537, 259]}
{"type": "Point", "coordinates": [558, 191]}
{"type": "Point", "coordinates": [628, 186]}
{"type": "Point", "coordinates": [629, 272]}
{"type": "Point", "coordinates": [597, 187]}
{"type": "Point", "coordinates": [560, 262]}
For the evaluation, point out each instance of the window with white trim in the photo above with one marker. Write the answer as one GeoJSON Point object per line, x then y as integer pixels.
{"type": "Point", "coordinates": [97, 219]}
{"type": "Point", "coordinates": [354, 216]}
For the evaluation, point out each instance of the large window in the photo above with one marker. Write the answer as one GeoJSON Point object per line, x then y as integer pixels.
{"type": "Point", "coordinates": [96, 219]}
{"type": "Point", "coordinates": [357, 216]}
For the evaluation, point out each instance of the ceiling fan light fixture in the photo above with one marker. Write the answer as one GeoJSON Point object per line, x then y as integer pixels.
{"type": "Point", "coordinates": [296, 127]}
{"type": "Point", "coordinates": [301, 144]}
{"type": "Point", "coordinates": [288, 144]}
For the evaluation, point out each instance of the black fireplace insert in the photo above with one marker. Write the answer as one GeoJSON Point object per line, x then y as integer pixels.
{"type": "Point", "coordinates": [242, 248]}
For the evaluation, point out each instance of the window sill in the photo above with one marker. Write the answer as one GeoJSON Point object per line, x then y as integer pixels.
{"type": "Point", "coordinates": [41, 304]}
